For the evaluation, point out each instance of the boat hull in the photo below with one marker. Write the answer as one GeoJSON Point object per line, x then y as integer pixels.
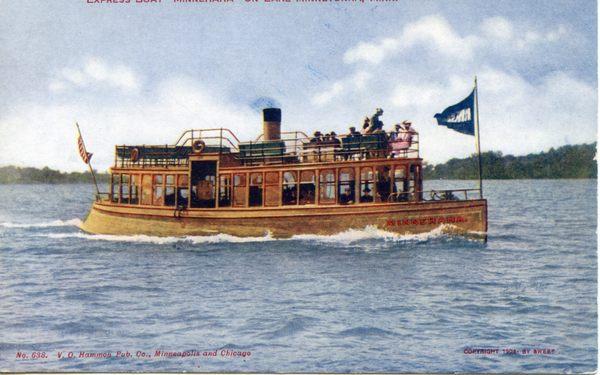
{"type": "Point", "coordinates": [461, 217]}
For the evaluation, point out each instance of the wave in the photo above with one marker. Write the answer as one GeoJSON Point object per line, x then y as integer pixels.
{"type": "Point", "coordinates": [142, 238]}
{"type": "Point", "coordinates": [48, 224]}
{"type": "Point", "coordinates": [347, 237]}
{"type": "Point", "coordinates": [371, 232]}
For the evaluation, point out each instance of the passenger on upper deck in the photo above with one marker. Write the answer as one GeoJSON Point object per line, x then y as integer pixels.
{"type": "Point", "coordinates": [317, 138]}
{"type": "Point", "coordinates": [401, 139]}
{"type": "Point", "coordinates": [376, 124]}
{"type": "Point", "coordinates": [353, 132]}
{"type": "Point", "coordinates": [334, 140]}
{"type": "Point", "coordinates": [366, 124]}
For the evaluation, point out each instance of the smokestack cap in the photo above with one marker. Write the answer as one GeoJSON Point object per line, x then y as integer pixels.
{"type": "Point", "coordinates": [272, 115]}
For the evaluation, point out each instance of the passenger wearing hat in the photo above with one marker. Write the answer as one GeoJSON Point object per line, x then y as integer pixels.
{"type": "Point", "coordinates": [353, 132]}
{"type": "Point", "coordinates": [366, 197]}
{"type": "Point", "coordinates": [408, 132]}
{"type": "Point", "coordinates": [395, 134]}
{"type": "Point", "coordinates": [316, 137]}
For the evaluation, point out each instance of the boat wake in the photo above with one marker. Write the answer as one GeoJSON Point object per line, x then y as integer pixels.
{"type": "Point", "coordinates": [349, 237]}
{"type": "Point", "coordinates": [49, 224]}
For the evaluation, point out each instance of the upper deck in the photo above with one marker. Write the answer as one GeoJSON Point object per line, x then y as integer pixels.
{"type": "Point", "coordinates": [271, 148]}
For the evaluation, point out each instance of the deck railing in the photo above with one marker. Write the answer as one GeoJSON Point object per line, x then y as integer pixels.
{"type": "Point", "coordinates": [295, 147]}
{"type": "Point", "coordinates": [292, 147]}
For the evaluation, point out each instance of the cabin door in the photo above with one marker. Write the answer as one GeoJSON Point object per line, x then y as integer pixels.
{"type": "Point", "coordinates": [203, 183]}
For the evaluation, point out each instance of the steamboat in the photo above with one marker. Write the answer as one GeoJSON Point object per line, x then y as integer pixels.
{"type": "Point", "coordinates": [281, 184]}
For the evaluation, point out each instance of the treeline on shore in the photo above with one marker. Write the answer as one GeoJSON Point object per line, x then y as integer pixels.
{"type": "Point", "coordinates": [29, 175]}
{"type": "Point", "coordinates": [572, 161]}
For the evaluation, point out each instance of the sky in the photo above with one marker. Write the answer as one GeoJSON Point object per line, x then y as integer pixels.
{"type": "Point", "coordinates": [143, 73]}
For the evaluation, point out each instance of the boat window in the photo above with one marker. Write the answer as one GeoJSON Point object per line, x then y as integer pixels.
{"type": "Point", "coordinates": [225, 190]}
{"type": "Point", "coordinates": [146, 189]}
{"type": "Point", "coordinates": [272, 189]}
{"type": "Point", "coordinates": [170, 190]}
{"type": "Point", "coordinates": [183, 190]}
{"type": "Point", "coordinates": [158, 190]}
{"type": "Point", "coordinates": [115, 188]}
{"type": "Point", "coordinates": [290, 188]}
{"type": "Point", "coordinates": [125, 188]}
{"type": "Point", "coordinates": [346, 194]}
{"type": "Point", "coordinates": [135, 189]}
{"type": "Point", "coordinates": [307, 187]}
{"type": "Point", "coordinates": [412, 180]}
{"type": "Point", "coordinates": [327, 186]}
{"type": "Point", "coordinates": [400, 183]}
{"type": "Point", "coordinates": [239, 190]}
{"type": "Point", "coordinates": [256, 190]}
{"type": "Point", "coordinates": [366, 185]}
{"type": "Point", "coordinates": [384, 183]}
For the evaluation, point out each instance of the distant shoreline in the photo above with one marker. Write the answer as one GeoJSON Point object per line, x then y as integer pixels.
{"type": "Point", "coordinates": [566, 162]}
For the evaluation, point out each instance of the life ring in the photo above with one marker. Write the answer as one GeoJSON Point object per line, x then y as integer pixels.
{"type": "Point", "coordinates": [135, 155]}
{"type": "Point", "coordinates": [198, 146]}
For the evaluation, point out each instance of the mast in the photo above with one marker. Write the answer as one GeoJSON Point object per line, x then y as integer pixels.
{"type": "Point", "coordinates": [89, 163]}
{"type": "Point", "coordinates": [478, 144]}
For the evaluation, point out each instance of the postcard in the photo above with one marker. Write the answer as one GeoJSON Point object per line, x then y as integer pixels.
{"type": "Point", "coordinates": [298, 186]}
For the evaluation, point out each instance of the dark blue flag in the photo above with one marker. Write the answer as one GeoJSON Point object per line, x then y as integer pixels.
{"type": "Point", "coordinates": [459, 117]}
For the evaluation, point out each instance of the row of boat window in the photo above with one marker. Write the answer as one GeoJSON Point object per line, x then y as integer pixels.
{"type": "Point", "coordinates": [257, 189]}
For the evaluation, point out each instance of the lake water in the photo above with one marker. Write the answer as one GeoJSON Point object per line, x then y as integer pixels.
{"type": "Point", "coordinates": [360, 301]}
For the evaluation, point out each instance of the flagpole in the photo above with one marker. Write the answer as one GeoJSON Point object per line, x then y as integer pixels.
{"type": "Point", "coordinates": [477, 136]}
{"type": "Point", "coordinates": [89, 163]}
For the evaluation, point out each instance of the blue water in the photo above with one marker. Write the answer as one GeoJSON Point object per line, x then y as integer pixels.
{"type": "Point", "coordinates": [361, 301]}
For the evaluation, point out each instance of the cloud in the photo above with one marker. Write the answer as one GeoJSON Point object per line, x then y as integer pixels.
{"type": "Point", "coordinates": [96, 73]}
{"type": "Point", "coordinates": [520, 112]}
{"type": "Point", "coordinates": [44, 135]}
{"type": "Point", "coordinates": [358, 81]}
{"type": "Point", "coordinates": [436, 35]}
{"type": "Point", "coordinates": [497, 28]}
{"type": "Point", "coordinates": [431, 32]}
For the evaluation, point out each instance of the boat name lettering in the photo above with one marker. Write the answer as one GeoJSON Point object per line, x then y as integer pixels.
{"type": "Point", "coordinates": [426, 221]}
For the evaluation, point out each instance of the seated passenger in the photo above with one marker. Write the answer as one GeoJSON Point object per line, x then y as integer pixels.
{"type": "Point", "coordinates": [346, 197]}
{"type": "Point", "coordinates": [317, 138]}
{"type": "Point", "coordinates": [366, 124]}
{"type": "Point", "coordinates": [366, 197]}
{"type": "Point", "coordinates": [353, 132]}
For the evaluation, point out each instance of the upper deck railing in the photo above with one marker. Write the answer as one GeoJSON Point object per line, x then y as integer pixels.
{"type": "Point", "coordinates": [297, 147]}
{"type": "Point", "coordinates": [292, 147]}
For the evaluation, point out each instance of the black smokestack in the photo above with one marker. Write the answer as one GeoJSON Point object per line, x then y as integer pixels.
{"type": "Point", "coordinates": [272, 124]}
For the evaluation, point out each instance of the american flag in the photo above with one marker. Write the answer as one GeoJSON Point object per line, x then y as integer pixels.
{"type": "Point", "coordinates": [85, 156]}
